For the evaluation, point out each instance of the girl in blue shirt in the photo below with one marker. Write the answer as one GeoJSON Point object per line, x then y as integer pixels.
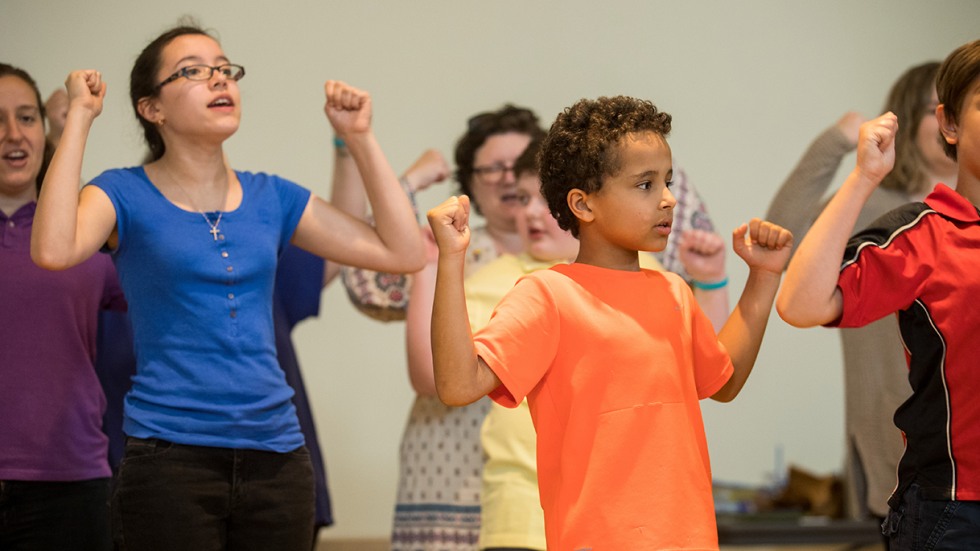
{"type": "Point", "coordinates": [215, 458]}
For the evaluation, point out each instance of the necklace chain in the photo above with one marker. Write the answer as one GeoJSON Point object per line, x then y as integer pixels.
{"type": "Point", "coordinates": [214, 231]}
{"type": "Point", "coordinates": [214, 227]}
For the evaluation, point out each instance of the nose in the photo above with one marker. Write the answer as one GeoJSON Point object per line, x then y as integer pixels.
{"type": "Point", "coordinates": [668, 201]}
{"type": "Point", "coordinates": [218, 77]}
{"type": "Point", "coordinates": [10, 129]}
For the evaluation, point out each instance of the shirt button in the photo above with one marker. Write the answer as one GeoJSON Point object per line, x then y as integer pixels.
{"type": "Point", "coordinates": [11, 223]}
{"type": "Point", "coordinates": [224, 254]}
{"type": "Point", "coordinates": [229, 268]}
{"type": "Point", "coordinates": [231, 296]}
{"type": "Point", "coordinates": [221, 237]}
{"type": "Point", "coordinates": [234, 313]}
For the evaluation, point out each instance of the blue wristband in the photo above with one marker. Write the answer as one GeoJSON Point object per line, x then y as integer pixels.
{"type": "Point", "coordinates": [339, 143]}
{"type": "Point", "coordinates": [709, 286]}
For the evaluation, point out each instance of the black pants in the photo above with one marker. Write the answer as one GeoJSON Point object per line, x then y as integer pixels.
{"type": "Point", "coordinates": [177, 497]}
{"type": "Point", "coordinates": [69, 516]}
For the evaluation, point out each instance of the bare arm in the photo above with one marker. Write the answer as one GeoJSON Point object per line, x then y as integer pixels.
{"type": "Point", "coordinates": [347, 194]}
{"type": "Point", "coordinates": [810, 295]}
{"type": "Point", "coordinates": [461, 377]}
{"type": "Point", "coordinates": [69, 226]}
{"type": "Point", "coordinates": [702, 253]}
{"type": "Point", "coordinates": [418, 323]}
{"type": "Point", "coordinates": [766, 254]}
{"type": "Point", "coordinates": [393, 244]}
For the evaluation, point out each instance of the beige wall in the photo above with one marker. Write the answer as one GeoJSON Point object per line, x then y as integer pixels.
{"type": "Point", "coordinates": [749, 84]}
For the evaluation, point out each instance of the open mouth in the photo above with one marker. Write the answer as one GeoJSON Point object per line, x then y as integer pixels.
{"type": "Point", "coordinates": [17, 156]}
{"type": "Point", "coordinates": [222, 102]}
{"type": "Point", "coordinates": [509, 199]}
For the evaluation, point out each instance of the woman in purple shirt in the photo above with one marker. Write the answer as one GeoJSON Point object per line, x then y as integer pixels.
{"type": "Point", "coordinates": [54, 476]}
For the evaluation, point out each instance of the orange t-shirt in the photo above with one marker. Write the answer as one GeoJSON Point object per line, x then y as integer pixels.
{"type": "Point", "coordinates": [613, 364]}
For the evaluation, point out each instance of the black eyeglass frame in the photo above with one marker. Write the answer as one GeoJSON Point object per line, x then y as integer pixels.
{"type": "Point", "coordinates": [485, 173]}
{"type": "Point", "coordinates": [236, 75]}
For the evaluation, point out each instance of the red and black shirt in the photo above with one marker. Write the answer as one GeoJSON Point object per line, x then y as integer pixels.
{"type": "Point", "coordinates": [922, 261]}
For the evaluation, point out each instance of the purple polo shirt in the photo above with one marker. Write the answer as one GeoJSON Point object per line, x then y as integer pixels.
{"type": "Point", "coordinates": [51, 403]}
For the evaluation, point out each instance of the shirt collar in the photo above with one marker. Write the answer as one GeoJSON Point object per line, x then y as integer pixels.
{"type": "Point", "coordinates": [947, 202]}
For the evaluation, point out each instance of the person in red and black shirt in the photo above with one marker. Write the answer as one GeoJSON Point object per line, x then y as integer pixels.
{"type": "Point", "coordinates": [922, 262]}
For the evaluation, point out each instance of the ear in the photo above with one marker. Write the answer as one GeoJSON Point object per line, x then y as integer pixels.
{"type": "Point", "coordinates": [149, 109]}
{"type": "Point", "coordinates": [578, 203]}
{"type": "Point", "coordinates": [946, 126]}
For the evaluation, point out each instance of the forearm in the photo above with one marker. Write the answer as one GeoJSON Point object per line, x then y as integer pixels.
{"type": "Point", "coordinates": [796, 203]}
{"type": "Point", "coordinates": [418, 331]}
{"type": "Point", "coordinates": [742, 333]}
{"type": "Point", "coordinates": [347, 189]}
{"type": "Point", "coordinates": [460, 376]}
{"type": "Point", "coordinates": [809, 296]}
{"type": "Point", "coordinates": [714, 304]}
{"type": "Point", "coordinates": [394, 216]}
{"type": "Point", "coordinates": [55, 236]}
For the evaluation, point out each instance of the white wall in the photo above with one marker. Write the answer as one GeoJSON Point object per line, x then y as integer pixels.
{"type": "Point", "coordinates": [749, 84]}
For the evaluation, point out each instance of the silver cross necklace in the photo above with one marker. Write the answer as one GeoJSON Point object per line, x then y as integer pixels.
{"type": "Point", "coordinates": [214, 231]}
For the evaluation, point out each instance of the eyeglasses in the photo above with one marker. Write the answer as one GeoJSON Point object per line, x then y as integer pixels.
{"type": "Point", "coordinates": [205, 72]}
{"type": "Point", "coordinates": [493, 174]}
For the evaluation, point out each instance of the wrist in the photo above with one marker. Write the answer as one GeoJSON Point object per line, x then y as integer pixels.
{"type": "Point", "coordinates": [710, 284]}
{"type": "Point", "coordinates": [407, 184]}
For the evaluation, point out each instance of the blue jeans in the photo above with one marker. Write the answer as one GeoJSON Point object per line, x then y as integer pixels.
{"type": "Point", "coordinates": [177, 497]}
{"type": "Point", "coordinates": [924, 525]}
{"type": "Point", "coordinates": [71, 516]}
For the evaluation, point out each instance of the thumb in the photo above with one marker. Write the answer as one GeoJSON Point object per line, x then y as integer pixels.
{"type": "Point", "coordinates": [738, 239]}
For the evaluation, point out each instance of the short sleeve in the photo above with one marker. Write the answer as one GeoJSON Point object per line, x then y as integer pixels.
{"type": "Point", "coordinates": [521, 340]}
{"type": "Point", "coordinates": [881, 280]}
{"type": "Point", "coordinates": [293, 199]}
{"type": "Point", "coordinates": [712, 364]}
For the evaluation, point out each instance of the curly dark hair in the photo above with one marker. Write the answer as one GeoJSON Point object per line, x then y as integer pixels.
{"type": "Point", "coordinates": [580, 149]}
{"type": "Point", "coordinates": [481, 127]}
{"type": "Point", "coordinates": [143, 78]}
{"type": "Point", "coordinates": [953, 82]}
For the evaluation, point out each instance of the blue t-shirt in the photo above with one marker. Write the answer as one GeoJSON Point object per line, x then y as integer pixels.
{"type": "Point", "coordinates": [201, 310]}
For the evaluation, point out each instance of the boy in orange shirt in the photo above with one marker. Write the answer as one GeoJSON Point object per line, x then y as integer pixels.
{"type": "Point", "coordinates": [612, 358]}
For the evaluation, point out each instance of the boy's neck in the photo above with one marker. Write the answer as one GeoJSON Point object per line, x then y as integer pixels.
{"type": "Point", "coordinates": [968, 186]}
{"type": "Point", "coordinates": [603, 255]}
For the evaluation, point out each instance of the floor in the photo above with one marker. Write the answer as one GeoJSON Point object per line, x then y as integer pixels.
{"type": "Point", "coordinates": [382, 545]}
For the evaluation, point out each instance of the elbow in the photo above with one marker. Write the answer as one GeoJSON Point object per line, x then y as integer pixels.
{"type": "Point", "coordinates": [723, 396]}
{"type": "Point", "coordinates": [728, 392]}
{"type": "Point", "coordinates": [44, 259]}
{"type": "Point", "coordinates": [416, 263]}
{"type": "Point", "coordinates": [408, 262]}
{"type": "Point", "coordinates": [784, 307]}
{"type": "Point", "coordinates": [795, 314]}
{"type": "Point", "coordinates": [452, 398]}
{"type": "Point", "coordinates": [423, 386]}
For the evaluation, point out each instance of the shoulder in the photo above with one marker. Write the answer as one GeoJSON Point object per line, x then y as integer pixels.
{"type": "Point", "coordinates": [265, 183]}
{"type": "Point", "coordinates": [116, 176]}
{"type": "Point", "coordinates": [905, 222]}
{"type": "Point", "coordinates": [248, 178]}
{"type": "Point", "coordinates": [893, 223]}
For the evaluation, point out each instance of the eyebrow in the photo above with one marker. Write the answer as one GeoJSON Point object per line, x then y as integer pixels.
{"type": "Point", "coordinates": [651, 174]}
{"type": "Point", "coordinates": [198, 59]}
